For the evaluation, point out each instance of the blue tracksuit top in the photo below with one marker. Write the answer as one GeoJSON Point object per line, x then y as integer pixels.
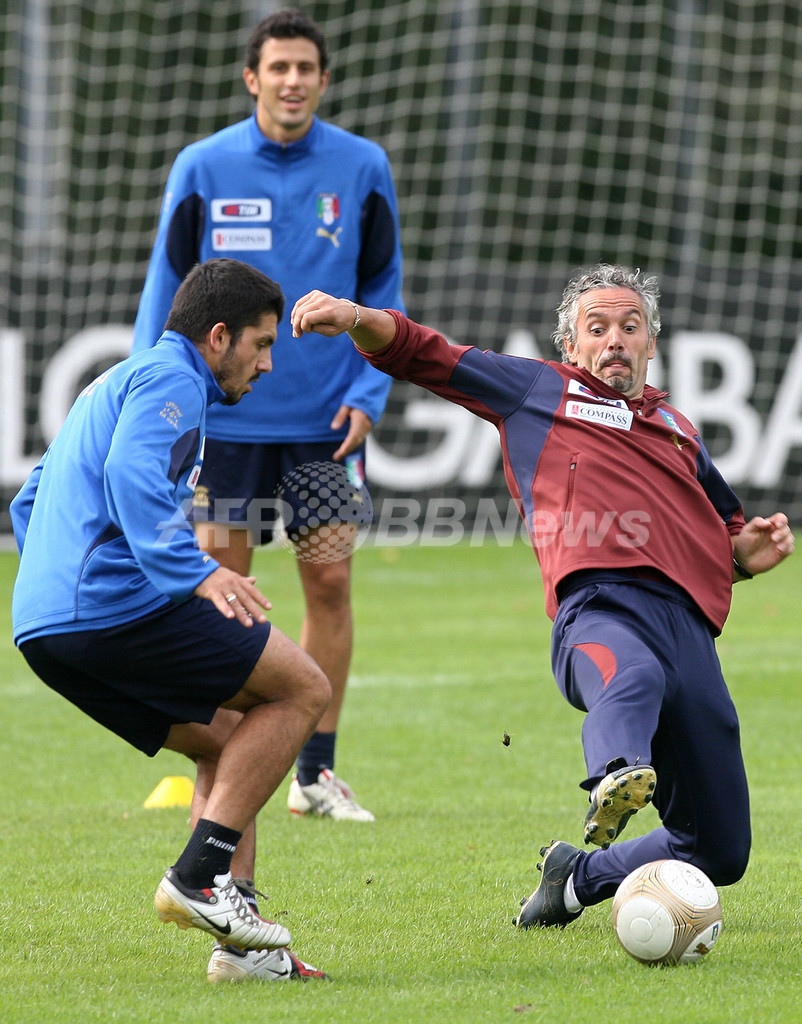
{"type": "Point", "coordinates": [317, 213]}
{"type": "Point", "coordinates": [99, 523]}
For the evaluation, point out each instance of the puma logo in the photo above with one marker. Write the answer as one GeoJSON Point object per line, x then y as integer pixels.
{"type": "Point", "coordinates": [677, 442]}
{"type": "Point", "coordinates": [331, 235]}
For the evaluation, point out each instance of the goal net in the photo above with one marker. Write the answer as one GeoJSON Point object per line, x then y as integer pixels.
{"type": "Point", "coordinates": [526, 139]}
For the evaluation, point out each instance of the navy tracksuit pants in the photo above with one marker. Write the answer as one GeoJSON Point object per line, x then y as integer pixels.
{"type": "Point", "coordinates": [639, 658]}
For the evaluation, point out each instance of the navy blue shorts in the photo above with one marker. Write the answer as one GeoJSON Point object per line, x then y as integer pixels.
{"type": "Point", "coordinates": [273, 487]}
{"type": "Point", "coordinates": [176, 665]}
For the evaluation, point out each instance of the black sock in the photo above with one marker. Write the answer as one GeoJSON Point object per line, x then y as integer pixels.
{"type": "Point", "coordinates": [208, 853]}
{"type": "Point", "coordinates": [317, 754]}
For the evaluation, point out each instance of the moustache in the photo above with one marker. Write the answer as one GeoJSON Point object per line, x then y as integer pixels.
{"type": "Point", "coordinates": [617, 359]}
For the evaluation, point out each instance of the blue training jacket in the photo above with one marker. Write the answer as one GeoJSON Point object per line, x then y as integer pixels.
{"type": "Point", "coordinates": [99, 523]}
{"type": "Point", "coordinates": [317, 213]}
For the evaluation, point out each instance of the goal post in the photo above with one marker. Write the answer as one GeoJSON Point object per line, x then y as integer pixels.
{"type": "Point", "coordinates": [526, 139]}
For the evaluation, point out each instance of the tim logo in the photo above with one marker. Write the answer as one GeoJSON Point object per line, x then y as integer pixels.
{"type": "Point", "coordinates": [241, 209]}
{"type": "Point", "coordinates": [576, 387]}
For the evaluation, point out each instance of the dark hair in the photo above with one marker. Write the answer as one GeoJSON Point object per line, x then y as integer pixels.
{"type": "Point", "coordinates": [223, 291]}
{"type": "Point", "coordinates": [286, 24]}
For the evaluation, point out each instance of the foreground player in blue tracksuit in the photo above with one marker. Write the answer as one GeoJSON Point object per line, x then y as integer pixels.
{"type": "Point", "coordinates": [117, 609]}
{"type": "Point", "coordinates": [301, 200]}
{"type": "Point", "coordinates": [639, 540]}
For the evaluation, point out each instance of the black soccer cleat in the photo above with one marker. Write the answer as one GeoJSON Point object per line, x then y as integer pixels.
{"type": "Point", "coordinates": [618, 796]}
{"type": "Point", "coordinates": [545, 908]}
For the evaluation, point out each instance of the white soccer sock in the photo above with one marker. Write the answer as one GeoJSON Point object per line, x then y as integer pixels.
{"type": "Point", "coordinates": [572, 904]}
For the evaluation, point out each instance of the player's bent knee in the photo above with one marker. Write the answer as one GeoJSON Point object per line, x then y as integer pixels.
{"type": "Point", "coordinates": [725, 863]}
{"type": "Point", "coordinates": [315, 690]}
{"type": "Point", "coordinates": [727, 872]}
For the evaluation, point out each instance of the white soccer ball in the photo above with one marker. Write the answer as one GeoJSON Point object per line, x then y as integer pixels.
{"type": "Point", "coordinates": [667, 912]}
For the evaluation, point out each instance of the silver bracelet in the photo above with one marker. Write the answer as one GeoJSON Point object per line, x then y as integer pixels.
{"type": "Point", "coordinates": [357, 314]}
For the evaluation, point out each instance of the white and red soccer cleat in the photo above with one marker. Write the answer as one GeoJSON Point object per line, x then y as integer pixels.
{"type": "Point", "coordinates": [231, 964]}
{"type": "Point", "coordinates": [221, 910]}
{"type": "Point", "coordinates": [329, 797]}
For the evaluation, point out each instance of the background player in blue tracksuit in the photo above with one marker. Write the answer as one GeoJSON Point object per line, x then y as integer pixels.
{"type": "Point", "coordinates": [639, 541]}
{"type": "Point", "coordinates": [303, 201]}
{"type": "Point", "coordinates": [117, 609]}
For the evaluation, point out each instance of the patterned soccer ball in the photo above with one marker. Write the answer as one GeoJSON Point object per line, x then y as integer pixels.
{"type": "Point", "coordinates": [667, 912]}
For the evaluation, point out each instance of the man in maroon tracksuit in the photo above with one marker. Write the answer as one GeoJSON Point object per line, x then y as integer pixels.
{"type": "Point", "coordinates": [639, 540]}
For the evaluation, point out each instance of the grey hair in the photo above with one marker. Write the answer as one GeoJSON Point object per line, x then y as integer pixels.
{"type": "Point", "coordinates": [605, 275]}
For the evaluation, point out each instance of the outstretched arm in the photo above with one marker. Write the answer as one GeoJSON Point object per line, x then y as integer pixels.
{"type": "Point", "coordinates": [320, 313]}
{"type": "Point", "coordinates": [762, 544]}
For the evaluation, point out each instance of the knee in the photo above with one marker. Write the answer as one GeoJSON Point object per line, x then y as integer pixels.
{"type": "Point", "coordinates": [317, 691]}
{"type": "Point", "coordinates": [723, 861]}
{"type": "Point", "coordinates": [327, 585]}
{"type": "Point", "coordinates": [303, 688]}
{"type": "Point", "coordinates": [308, 688]}
{"type": "Point", "coordinates": [724, 867]}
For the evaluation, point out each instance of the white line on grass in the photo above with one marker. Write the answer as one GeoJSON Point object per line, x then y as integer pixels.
{"type": "Point", "coordinates": [395, 681]}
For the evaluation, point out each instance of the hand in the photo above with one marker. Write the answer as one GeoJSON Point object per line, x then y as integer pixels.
{"type": "Point", "coordinates": [764, 543]}
{"type": "Point", "coordinates": [234, 596]}
{"type": "Point", "coordinates": [321, 313]}
{"type": "Point", "coordinates": [359, 427]}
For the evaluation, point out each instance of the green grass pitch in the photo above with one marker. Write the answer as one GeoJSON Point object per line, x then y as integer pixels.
{"type": "Point", "coordinates": [411, 916]}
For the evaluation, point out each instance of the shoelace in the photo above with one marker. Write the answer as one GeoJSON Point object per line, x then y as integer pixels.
{"type": "Point", "coordinates": [238, 902]}
{"type": "Point", "coordinates": [335, 796]}
{"type": "Point", "coordinates": [248, 885]}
